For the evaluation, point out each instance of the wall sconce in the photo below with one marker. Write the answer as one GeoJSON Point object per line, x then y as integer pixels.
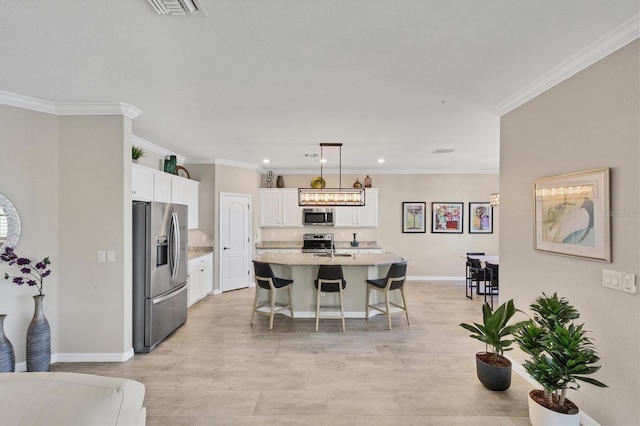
{"type": "Point", "coordinates": [494, 199]}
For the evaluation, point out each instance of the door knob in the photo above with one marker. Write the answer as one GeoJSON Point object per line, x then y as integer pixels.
{"type": "Point", "coordinates": [226, 248]}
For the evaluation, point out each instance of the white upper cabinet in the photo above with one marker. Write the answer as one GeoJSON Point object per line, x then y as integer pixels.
{"type": "Point", "coordinates": [362, 217]}
{"type": "Point", "coordinates": [142, 183]}
{"type": "Point", "coordinates": [148, 184]}
{"type": "Point", "coordinates": [162, 187]}
{"type": "Point", "coordinates": [279, 208]}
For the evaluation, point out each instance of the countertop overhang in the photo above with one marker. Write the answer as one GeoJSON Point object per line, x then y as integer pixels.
{"type": "Point", "coordinates": [309, 259]}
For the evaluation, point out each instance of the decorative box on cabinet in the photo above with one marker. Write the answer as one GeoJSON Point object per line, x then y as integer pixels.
{"type": "Point", "coordinates": [279, 208]}
{"type": "Point", "coordinates": [200, 281]}
{"type": "Point", "coordinates": [359, 217]}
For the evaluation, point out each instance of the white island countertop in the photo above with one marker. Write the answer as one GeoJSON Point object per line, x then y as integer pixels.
{"type": "Point", "coordinates": [311, 259]}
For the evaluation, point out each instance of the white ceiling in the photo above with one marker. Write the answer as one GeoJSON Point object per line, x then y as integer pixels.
{"type": "Point", "coordinates": [392, 79]}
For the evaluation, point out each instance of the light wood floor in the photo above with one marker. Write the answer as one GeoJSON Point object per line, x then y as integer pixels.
{"type": "Point", "coordinates": [219, 370]}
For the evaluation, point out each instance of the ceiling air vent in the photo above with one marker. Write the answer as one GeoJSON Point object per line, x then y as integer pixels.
{"type": "Point", "coordinates": [178, 7]}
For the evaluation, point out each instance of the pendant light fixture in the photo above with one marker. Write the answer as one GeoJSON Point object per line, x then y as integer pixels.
{"type": "Point", "coordinates": [320, 197]}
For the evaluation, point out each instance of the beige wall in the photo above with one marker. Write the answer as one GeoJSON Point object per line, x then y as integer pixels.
{"type": "Point", "coordinates": [586, 122]}
{"type": "Point", "coordinates": [28, 178]}
{"type": "Point", "coordinates": [435, 255]}
{"type": "Point", "coordinates": [70, 181]}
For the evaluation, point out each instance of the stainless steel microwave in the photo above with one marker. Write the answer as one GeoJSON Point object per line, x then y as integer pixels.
{"type": "Point", "coordinates": [317, 217]}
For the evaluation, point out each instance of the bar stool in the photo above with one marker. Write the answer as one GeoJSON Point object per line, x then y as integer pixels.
{"type": "Point", "coordinates": [393, 281]}
{"type": "Point", "coordinates": [330, 280]}
{"type": "Point", "coordinates": [265, 279]}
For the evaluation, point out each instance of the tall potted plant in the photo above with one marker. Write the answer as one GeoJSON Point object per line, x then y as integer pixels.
{"type": "Point", "coordinates": [492, 367]}
{"type": "Point", "coordinates": [561, 355]}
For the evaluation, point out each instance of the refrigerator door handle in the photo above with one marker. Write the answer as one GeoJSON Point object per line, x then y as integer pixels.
{"type": "Point", "coordinates": [169, 296]}
{"type": "Point", "coordinates": [175, 242]}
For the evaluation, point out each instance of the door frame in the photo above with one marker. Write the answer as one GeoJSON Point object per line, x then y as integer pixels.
{"type": "Point", "coordinates": [220, 242]}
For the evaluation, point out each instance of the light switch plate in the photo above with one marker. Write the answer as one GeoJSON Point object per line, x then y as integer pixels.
{"type": "Point", "coordinates": [111, 256]}
{"type": "Point", "coordinates": [102, 256]}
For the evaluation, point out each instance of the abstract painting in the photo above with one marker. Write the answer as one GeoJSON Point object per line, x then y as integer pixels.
{"type": "Point", "coordinates": [447, 218]}
{"type": "Point", "coordinates": [572, 215]}
{"type": "Point", "coordinates": [480, 218]}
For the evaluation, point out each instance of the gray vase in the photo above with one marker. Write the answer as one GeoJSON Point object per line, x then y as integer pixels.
{"type": "Point", "coordinates": [7, 355]}
{"type": "Point", "coordinates": [38, 339]}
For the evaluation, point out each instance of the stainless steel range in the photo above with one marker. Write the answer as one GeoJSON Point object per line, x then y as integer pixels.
{"type": "Point", "coordinates": [317, 243]}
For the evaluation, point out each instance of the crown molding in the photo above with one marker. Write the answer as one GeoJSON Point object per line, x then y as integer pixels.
{"type": "Point", "coordinates": [223, 162]}
{"type": "Point", "coordinates": [69, 108]}
{"type": "Point", "coordinates": [151, 147]}
{"type": "Point", "coordinates": [392, 172]}
{"type": "Point", "coordinates": [609, 43]}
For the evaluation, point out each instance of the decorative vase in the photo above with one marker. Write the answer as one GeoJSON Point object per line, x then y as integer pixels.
{"type": "Point", "coordinates": [7, 356]}
{"type": "Point", "coordinates": [542, 416]}
{"type": "Point", "coordinates": [280, 181]}
{"type": "Point", "coordinates": [367, 182]}
{"type": "Point", "coordinates": [38, 339]}
{"type": "Point", "coordinates": [357, 184]}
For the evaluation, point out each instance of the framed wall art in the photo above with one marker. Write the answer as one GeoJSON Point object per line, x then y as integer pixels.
{"type": "Point", "coordinates": [571, 215]}
{"type": "Point", "coordinates": [413, 215]}
{"type": "Point", "coordinates": [480, 218]}
{"type": "Point", "coordinates": [447, 218]}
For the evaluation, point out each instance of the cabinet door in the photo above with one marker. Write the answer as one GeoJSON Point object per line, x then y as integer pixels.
{"type": "Point", "coordinates": [270, 205]}
{"type": "Point", "coordinates": [367, 215]}
{"type": "Point", "coordinates": [162, 187]}
{"type": "Point", "coordinates": [191, 199]}
{"type": "Point", "coordinates": [141, 183]}
{"type": "Point", "coordinates": [193, 285]}
{"type": "Point", "coordinates": [345, 216]}
{"type": "Point", "coordinates": [291, 211]}
{"type": "Point", "coordinates": [178, 191]}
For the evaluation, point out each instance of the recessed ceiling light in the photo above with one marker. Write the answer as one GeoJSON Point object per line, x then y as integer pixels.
{"type": "Point", "coordinates": [380, 160]}
{"type": "Point", "coordinates": [324, 160]}
{"type": "Point", "coordinates": [266, 160]}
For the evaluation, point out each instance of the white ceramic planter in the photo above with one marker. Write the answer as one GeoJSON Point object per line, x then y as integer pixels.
{"type": "Point", "coordinates": [542, 416]}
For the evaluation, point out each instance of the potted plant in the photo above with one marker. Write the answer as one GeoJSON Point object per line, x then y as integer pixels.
{"type": "Point", "coordinates": [136, 153]}
{"type": "Point", "coordinates": [492, 367]}
{"type": "Point", "coordinates": [561, 354]}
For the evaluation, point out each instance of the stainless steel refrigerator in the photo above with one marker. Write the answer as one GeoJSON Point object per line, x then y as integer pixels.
{"type": "Point", "coordinates": [159, 272]}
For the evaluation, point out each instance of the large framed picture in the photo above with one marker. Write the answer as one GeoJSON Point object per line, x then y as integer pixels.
{"type": "Point", "coordinates": [571, 216]}
{"type": "Point", "coordinates": [413, 215]}
{"type": "Point", "coordinates": [447, 218]}
{"type": "Point", "coordinates": [480, 218]}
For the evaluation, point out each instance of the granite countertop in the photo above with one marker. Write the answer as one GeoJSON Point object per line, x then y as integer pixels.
{"type": "Point", "coordinates": [195, 251]}
{"type": "Point", "coordinates": [340, 245]}
{"type": "Point", "coordinates": [308, 259]}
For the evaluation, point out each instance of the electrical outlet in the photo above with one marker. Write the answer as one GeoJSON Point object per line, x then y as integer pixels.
{"type": "Point", "coordinates": [413, 263]}
{"type": "Point", "coordinates": [628, 282]}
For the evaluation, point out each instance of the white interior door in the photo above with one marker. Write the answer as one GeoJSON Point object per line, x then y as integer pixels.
{"type": "Point", "coordinates": [235, 241]}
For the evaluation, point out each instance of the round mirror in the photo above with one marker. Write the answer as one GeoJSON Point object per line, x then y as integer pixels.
{"type": "Point", "coordinates": [9, 224]}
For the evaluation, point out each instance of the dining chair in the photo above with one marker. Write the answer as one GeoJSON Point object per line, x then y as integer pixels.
{"type": "Point", "coordinates": [266, 280]}
{"type": "Point", "coordinates": [393, 281]}
{"type": "Point", "coordinates": [492, 288]}
{"type": "Point", "coordinates": [330, 280]}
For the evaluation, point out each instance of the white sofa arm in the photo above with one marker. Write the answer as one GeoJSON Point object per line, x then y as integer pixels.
{"type": "Point", "coordinates": [70, 399]}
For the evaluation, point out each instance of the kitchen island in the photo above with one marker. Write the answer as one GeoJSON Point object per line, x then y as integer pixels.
{"type": "Point", "coordinates": [302, 268]}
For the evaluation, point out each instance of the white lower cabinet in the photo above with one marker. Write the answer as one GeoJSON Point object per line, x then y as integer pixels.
{"type": "Point", "coordinates": [200, 278]}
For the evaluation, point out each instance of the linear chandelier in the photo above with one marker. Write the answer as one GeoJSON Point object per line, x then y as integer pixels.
{"type": "Point", "coordinates": [320, 197]}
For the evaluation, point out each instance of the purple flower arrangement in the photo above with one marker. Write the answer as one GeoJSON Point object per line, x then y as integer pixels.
{"type": "Point", "coordinates": [34, 275]}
